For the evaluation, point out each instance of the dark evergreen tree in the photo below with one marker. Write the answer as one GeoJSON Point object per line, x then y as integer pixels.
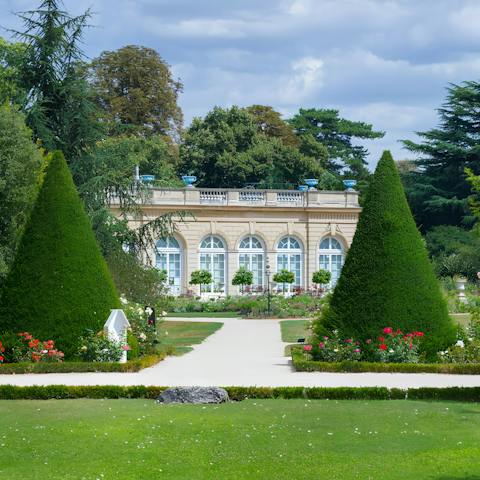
{"type": "Point", "coordinates": [337, 135]}
{"type": "Point", "coordinates": [387, 279]}
{"type": "Point", "coordinates": [437, 189]}
{"type": "Point", "coordinates": [59, 107]}
{"type": "Point", "coordinates": [59, 283]}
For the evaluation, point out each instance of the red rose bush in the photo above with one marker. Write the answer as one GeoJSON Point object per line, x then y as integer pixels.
{"type": "Point", "coordinates": [393, 346]}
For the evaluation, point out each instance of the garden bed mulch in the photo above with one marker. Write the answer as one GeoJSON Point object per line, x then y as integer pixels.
{"type": "Point", "coordinates": [81, 367]}
{"type": "Point", "coordinates": [301, 364]}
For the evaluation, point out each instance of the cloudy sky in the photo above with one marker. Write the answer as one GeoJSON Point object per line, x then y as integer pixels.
{"type": "Point", "coordinates": [383, 62]}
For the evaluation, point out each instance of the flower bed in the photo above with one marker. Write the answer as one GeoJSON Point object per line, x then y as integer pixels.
{"type": "Point", "coordinates": [80, 367]}
{"type": "Point", "coordinates": [303, 364]}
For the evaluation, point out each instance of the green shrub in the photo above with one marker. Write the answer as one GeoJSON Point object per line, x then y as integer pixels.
{"type": "Point", "coordinates": [321, 277]}
{"type": "Point", "coordinates": [79, 367]}
{"type": "Point", "coordinates": [59, 284]}
{"type": "Point", "coordinates": [242, 277]}
{"type": "Point", "coordinates": [387, 279]}
{"type": "Point", "coordinates": [284, 276]}
{"type": "Point", "coordinates": [132, 342]}
{"type": "Point", "coordinates": [253, 305]}
{"type": "Point", "coordinates": [461, 394]}
{"type": "Point", "coordinates": [302, 364]}
{"type": "Point", "coordinates": [200, 277]}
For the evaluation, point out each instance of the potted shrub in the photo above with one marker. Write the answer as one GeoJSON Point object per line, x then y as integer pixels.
{"type": "Point", "coordinates": [322, 278]}
{"type": "Point", "coordinates": [242, 278]}
{"type": "Point", "coordinates": [284, 277]}
{"type": "Point", "coordinates": [200, 277]}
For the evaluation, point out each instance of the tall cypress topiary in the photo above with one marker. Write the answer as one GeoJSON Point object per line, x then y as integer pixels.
{"type": "Point", "coordinates": [59, 283]}
{"type": "Point", "coordinates": [387, 279]}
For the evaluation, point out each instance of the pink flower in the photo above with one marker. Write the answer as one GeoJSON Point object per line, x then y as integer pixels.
{"type": "Point", "coordinates": [387, 330]}
{"type": "Point", "coordinates": [357, 350]}
{"type": "Point", "coordinates": [348, 340]}
{"type": "Point", "coordinates": [307, 348]}
{"type": "Point", "coordinates": [321, 345]}
{"type": "Point", "coordinates": [325, 338]}
{"type": "Point", "coordinates": [368, 341]}
{"type": "Point", "coordinates": [126, 348]}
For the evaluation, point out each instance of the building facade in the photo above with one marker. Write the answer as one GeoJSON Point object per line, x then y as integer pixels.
{"type": "Point", "coordinates": [262, 230]}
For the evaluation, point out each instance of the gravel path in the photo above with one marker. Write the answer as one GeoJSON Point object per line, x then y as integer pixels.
{"type": "Point", "coordinates": [244, 353]}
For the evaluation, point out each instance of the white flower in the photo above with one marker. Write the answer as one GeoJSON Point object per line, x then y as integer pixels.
{"type": "Point", "coordinates": [142, 336]}
{"type": "Point", "coordinates": [391, 350]}
{"type": "Point", "coordinates": [460, 344]}
{"type": "Point", "coordinates": [335, 350]}
{"type": "Point", "coordinates": [164, 314]}
{"type": "Point", "coordinates": [470, 339]}
{"type": "Point", "coordinates": [123, 300]}
{"type": "Point", "coordinates": [441, 353]}
{"type": "Point", "coordinates": [84, 347]}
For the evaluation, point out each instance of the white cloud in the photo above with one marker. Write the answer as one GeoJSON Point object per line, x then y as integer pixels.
{"type": "Point", "coordinates": [305, 78]}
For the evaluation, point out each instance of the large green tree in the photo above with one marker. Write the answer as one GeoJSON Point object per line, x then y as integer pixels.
{"type": "Point", "coordinates": [12, 56]}
{"type": "Point", "coordinates": [59, 284]}
{"type": "Point", "coordinates": [59, 107]}
{"type": "Point", "coordinates": [437, 189]}
{"type": "Point", "coordinates": [338, 135]}
{"type": "Point", "coordinates": [135, 90]}
{"type": "Point", "coordinates": [20, 168]}
{"type": "Point", "coordinates": [270, 123]}
{"type": "Point", "coordinates": [387, 272]}
{"type": "Point", "coordinates": [226, 149]}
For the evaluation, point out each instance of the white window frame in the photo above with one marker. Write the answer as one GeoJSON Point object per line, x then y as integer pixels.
{"type": "Point", "coordinates": [211, 251]}
{"type": "Point", "coordinates": [167, 251]}
{"type": "Point", "coordinates": [290, 252]}
{"type": "Point", "coordinates": [248, 253]}
{"type": "Point", "coordinates": [331, 252]}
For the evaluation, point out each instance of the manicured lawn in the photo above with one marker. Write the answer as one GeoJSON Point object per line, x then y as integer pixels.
{"type": "Point", "coordinates": [181, 335]}
{"type": "Point", "coordinates": [254, 439]}
{"type": "Point", "coordinates": [463, 319]}
{"type": "Point", "coordinates": [204, 314]}
{"type": "Point", "coordinates": [292, 330]}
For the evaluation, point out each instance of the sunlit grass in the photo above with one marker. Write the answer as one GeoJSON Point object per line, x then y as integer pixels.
{"type": "Point", "coordinates": [179, 336]}
{"type": "Point", "coordinates": [255, 439]}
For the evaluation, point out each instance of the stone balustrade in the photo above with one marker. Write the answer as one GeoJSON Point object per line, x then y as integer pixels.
{"type": "Point", "coordinates": [252, 198]}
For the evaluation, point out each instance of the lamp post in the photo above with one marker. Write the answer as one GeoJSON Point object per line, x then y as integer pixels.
{"type": "Point", "coordinates": [267, 274]}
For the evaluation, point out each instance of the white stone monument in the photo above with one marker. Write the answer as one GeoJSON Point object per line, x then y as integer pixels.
{"type": "Point", "coordinates": [460, 283]}
{"type": "Point", "coordinates": [116, 329]}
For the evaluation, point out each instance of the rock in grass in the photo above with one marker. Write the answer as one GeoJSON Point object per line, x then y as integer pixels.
{"type": "Point", "coordinates": [194, 395]}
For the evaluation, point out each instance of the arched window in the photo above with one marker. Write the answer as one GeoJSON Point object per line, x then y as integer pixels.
{"type": "Point", "coordinates": [290, 257]}
{"type": "Point", "coordinates": [251, 255]}
{"type": "Point", "coordinates": [331, 258]}
{"type": "Point", "coordinates": [213, 259]}
{"type": "Point", "coordinates": [169, 258]}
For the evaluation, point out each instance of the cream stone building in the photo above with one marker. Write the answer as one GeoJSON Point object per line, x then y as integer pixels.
{"type": "Point", "coordinates": [263, 230]}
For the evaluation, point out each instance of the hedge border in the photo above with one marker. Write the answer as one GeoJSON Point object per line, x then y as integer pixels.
{"type": "Point", "coordinates": [80, 367]}
{"type": "Point", "coordinates": [302, 365]}
{"type": "Point", "coordinates": [49, 392]}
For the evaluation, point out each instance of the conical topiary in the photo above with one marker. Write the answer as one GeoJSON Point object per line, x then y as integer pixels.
{"type": "Point", "coordinates": [387, 279]}
{"type": "Point", "coordinates": [59, 283]}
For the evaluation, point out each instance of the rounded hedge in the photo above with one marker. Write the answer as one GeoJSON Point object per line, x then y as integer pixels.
{"type": "Point", "coordinates": [387, 279]}
{"type": "Point", "coordinates": [59, 283]}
